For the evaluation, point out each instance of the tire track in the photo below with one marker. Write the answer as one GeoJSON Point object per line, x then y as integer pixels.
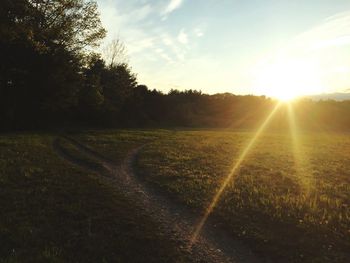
{"type": "Point", "coordinates": [175, 221]}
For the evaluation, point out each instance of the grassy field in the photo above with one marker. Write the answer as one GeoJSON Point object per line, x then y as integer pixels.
{"type": "Point", "coordinates": [53, 211]}
{"type": "Point", "coordinates": [114, 144]}
{"type": "Point", "coordinates": [290, 200]}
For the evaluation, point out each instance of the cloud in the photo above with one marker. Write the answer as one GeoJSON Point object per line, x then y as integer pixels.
{"type": "Point", "coordinates": [321, 50]}
{"type": "Point", "coordinates": [141, 13]}
{"type": "Point", "coordinates": [164, 55]}
{"type": "Point", "coordinates": [154, 48]}
{"type": "Point", "coordinates": [198, 32]}
{"type": "Point", "coordinates": [334, 31]}
{"type": "Point", "coordinates": [182, 37]}
{"type": "Point", "coordinates": [173, 47]}
{"type": "Point", "coordinates": [167, 40]}
{"type": "Point", "coordinates": [327, 37]}
{"type": "Point", "coordinates": [337, 41]}
{"type": "Point", "coordinates": [137, 25]}
{"type": "Point", "coordinates": [172, 6]}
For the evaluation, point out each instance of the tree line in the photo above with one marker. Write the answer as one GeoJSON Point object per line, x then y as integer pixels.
{"type": "Point", "coordinates": [50, 76]}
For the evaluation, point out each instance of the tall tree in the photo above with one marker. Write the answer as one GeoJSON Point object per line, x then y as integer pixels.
{"type": "Point", "coordinates": [42, 43]}
{"type": "Point", "coordinates": [72, 24]}
{"type": "Point", "coordinates": [118, 84]}
{"type": "Point", "coordinates": [91, 95]}
{"type": "Point", "coordinates": [115, 53]}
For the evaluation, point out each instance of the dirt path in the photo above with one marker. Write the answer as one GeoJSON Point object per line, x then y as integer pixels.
{"type": "Point", "coordinates": [176, 221]}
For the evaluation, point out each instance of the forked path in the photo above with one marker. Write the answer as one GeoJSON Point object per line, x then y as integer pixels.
{"type": "Point", "coordinates": [175, 221]}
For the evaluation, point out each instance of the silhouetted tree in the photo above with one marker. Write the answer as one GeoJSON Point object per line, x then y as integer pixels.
{"type": "Point", "coordinates": [48, 75]}
{"type": "Point", "coordinates": [115, 53]}
{"type": "Point", "coordinates": [91, 94]}
{"type": "Point", "coordinates": [118, 83]}
{"type": "Point", "coordinates": [42, 44]}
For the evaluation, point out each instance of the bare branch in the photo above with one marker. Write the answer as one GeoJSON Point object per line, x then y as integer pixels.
{"type": "Point", "coordinates": [115, 53]}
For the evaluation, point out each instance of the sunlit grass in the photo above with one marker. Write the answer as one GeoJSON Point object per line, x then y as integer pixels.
{"type": "Point", "coordinates": [230, 178]}
{"type": "Point", "coordinates": [289, 199]}
{"type": "Point", "coordinates": [301, 156]}
{"type": "Point", "coordinates": [270, 202]}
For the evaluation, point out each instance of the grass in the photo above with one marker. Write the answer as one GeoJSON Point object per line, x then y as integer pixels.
{"type": "Point", "coordinates": [289, 206]}
{"type": "Point", "coordinates": [114, 144]}
{"type": "Point", "coordinates": [53, 211]}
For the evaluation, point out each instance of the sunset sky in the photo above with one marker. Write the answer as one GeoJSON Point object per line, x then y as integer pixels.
{"type": "Point", "coordinates": [243, 46]}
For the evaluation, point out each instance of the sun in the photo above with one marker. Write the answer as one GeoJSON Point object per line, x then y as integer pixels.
{"type": "Point", "coordinates": [287, 79]}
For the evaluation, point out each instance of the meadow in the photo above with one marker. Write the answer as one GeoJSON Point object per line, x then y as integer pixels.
{"type": "Point", "coordinates": [54, 211]}
{"type": "Point", "coordinates": [289, 200]}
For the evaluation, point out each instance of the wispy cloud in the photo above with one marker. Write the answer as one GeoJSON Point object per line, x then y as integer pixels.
{"type": "Point", "coordinates": [148, 41]}
{"type": "Point", "coordinates": [335, 31]}
{"type": "Point", "coordinates": [172, 6]}
{"type": "Point", "coordinates": [164, 55]}
{"type": "Point", "coordinates": [174, 48]}
{"type": "Point", "coordinates": [182, 37]}
{"type": "Point", "coordinates": [320, 50]}
{"type": "Point", "coordinates": [198, 32]}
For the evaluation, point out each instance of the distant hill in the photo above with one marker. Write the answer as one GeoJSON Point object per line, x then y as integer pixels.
{"type": "Point", "coordinates": [330, 96]}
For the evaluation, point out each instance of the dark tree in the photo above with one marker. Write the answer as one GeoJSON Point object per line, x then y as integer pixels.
{"type": "Point", "coordinates": [71, 24]}
{"type": "Point", "coordinates": [91, 94]}
{"type": "Point", "coordinates": [42, 45]}
{"type": "Point", "coordinates": [118, 83]}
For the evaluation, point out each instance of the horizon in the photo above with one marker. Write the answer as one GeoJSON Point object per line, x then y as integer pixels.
{"type": "Point", "coordinates": [188, 133]}
{"type": "Point", "coordinates": [239, 47]}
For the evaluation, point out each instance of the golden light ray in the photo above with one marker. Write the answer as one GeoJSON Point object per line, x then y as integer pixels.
{"type": "Point", "coordinates": [229, 178]}
{"type": "Point", "coordinates": [300, 157]}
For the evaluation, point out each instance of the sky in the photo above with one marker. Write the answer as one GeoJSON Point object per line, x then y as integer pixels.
{"type": "Point", "coordinates": [261, 47]}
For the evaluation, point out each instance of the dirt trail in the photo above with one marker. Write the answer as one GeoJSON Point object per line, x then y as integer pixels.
{"type": "Point", "coordinates": [176, 221]}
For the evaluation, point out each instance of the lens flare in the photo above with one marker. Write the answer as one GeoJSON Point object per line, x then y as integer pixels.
{"type": "Point", "coordinates": [230, 177]}
{"type": "Point", "coordinates": [300, 157]}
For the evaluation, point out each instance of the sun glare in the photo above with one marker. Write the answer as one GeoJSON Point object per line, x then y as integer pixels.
{"type": "Point", "coordinates": [287, 79]}
{"type": "Point", "coordinates": [231, 175]}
